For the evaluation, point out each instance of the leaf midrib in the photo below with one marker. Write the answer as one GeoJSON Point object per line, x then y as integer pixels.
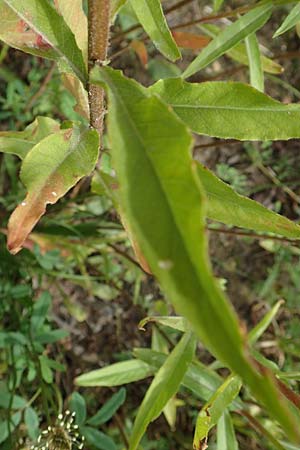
{"type": "Point", "coordinates": [194, 269]}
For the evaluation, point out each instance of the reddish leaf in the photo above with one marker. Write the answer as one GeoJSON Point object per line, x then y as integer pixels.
{"type": "Point", "coordinates": [141, 51]}
{"type": "Point", "coordinates": [190, 40]}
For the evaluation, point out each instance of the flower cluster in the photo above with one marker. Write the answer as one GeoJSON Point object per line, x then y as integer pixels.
{"type": "Point", "coordinates": [63, 435]}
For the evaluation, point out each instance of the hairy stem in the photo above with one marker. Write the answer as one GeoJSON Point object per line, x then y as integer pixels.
{"type": "Point", "coordinates": [98, 23]}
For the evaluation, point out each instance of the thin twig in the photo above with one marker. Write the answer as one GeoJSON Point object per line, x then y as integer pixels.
{"type": "Point", "coordinates": [260, 428]}
{"type": "Point", "coordinates": [205, 19]}
{"type": "Point", "coordinates": [127, 256]}
{"type": "Point", "coordinates": [251, 235]}
{"type": "Point", "coordinates": [99, 23]}
{"type": "Point", "coordinates": [41, 89]}
{"type": "Point", "coordinates": [218, 143]}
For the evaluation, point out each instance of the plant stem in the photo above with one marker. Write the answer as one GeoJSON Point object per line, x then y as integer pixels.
{"type": "Point", "coordinates": [251, 235]}
{"type": "Point", "coordinates": [98, 23]}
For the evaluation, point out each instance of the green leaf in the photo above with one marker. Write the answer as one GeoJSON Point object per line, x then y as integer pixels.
{"type": "Point", "coordinates": [151, 17]}
{"type": "Point", "coordinates": [75, 18]}
{"type": "Point", "coordinates": [199, 379]}
{"type": "Point", "coordinates": [215, 408]}
{"type": "Point", "coordinates": [49, 337]}
{"type": "Point", "coordinates": [176, 322]}
{"type": "Point", "coordinates": [108, 409]}
{"type": "Point", "coordinates": [98, 439]}
{"type": "Point", "coordinates": [45, 369]}
{"type": "Point", "coordinates": [20, 142]}
{"type": "Point", "coordinates": [78, 405]}
{"type": "Point", "coordinates": [31, 420]}
{"type": "Point", "coordinates": [116, 374]}
{"type": "Point", "coordinates": [164, 385]}
{"type": "Point", "coordinates": [218, 4]}
{"type": "Point", "coordinates": [255, 63]}
{"type": "Point", "coordinates": [261, 327]}
{"type": "Point", "coordinates": [40, 311]}
{"type": "Point", "coordinates": [230, 110]}
{"type": "Point", "coordinates": [16, 402]}
{"type": "Point", "coordinates": [291, 20]}
{"type": "Point", "coordinates": [227, 206]}
{"type": "Point", "coordinates": [48, 171]}
{"type": "Point", "coordinates": [153, 214]}
{"type": "Point", "coordinates": [239, 53]}
{"type": "Point", "coordinates": [226, 439]}
{"type": "Point", "coordinates": [47, 35]}
{"type": "Point", "coordinates": [4, 430]}
{"type": "Point", "coordinates": [168, 225]}
{"type": "Point", "coordinates": [229, 37]}
{"type": "Point", "coordinates": [115, 6]}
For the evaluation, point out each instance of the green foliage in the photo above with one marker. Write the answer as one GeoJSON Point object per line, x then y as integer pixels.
{"type": "Point", "coordinates": [232, 35]}
{"type": "Point", "coordinates": [229, 110]}
{"type": "Point", "coordinates": [150, 14]}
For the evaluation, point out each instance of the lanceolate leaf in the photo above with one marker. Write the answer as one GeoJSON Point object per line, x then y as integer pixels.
{"type": "Point", "coordinates": [290, 21]}
{"type": "Point", "coordinates": [20, 142]}
{"type": "Point", "coordinates": [162, 200]}
{"type": "Point", "coordinates": [74, 16]}
{"type": "Point", "coordinates": [239, 53]}
{"type": "Point", "coordinates": [226, 439]}
{"type": "Point", "coordinates": [48, 171]}
{"type": "Point", "coordinates": [230, 36]}
{"type": "Point", "coordinates": [226, 206]}
{"type": "Point", "coordinates": [230, 110]}
{"type": "Point", "coordinates": [255, 63]}
{"type": "Point", "coordinates": [150, 15]}
{"type": "Point", "coordinates": [116, 374]}
{"type": "Point", "coordinates": [50, 30]}
{"type": "Point", "coordinates": [164, 385]}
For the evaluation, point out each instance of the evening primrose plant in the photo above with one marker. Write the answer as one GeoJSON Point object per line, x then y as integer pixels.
{"type": "Point", "coordinates": [163, 196]}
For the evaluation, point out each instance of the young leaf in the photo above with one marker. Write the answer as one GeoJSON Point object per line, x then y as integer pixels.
{"type": "Point", "coordinates": [226, 439]}
{"type": "Point", "coordinates": [230, 36]}
{"type": "Point", "coordinates": [20, 142]}
{"type": "Point", "coordinates": [151, 17]}
{"type": "Point", "coordinates": [78, 405]}
{"type": "Point", "coordinates": [215, 408]}
{"type": "Point", "coordinates": [116, 374]}
{"type": "Point", "coordinates": [230, 110]}
{"type": "Point", "coordinates": [48, 171]}
{"type": "Point", "coordinates": [74, 16]}
{"type": "Point", "coordinates": [108, 409]}
{"type": "Point", "coordinates": [291, 20]}
{"type": "Point", "coordinates": [164, 385]}
{"type": "Point", "coordinates": [261, 327]}
{"type": "Point", "coordinates": [168, 225]}
{"type": "Point", "coordinates": [239, 53]}
{"type": "Point", "coordinates": [47, 30]}
{"type": "Point", "coordinates": [226, 206]}
{"type": "Point", "coordinates": [255, 65]}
